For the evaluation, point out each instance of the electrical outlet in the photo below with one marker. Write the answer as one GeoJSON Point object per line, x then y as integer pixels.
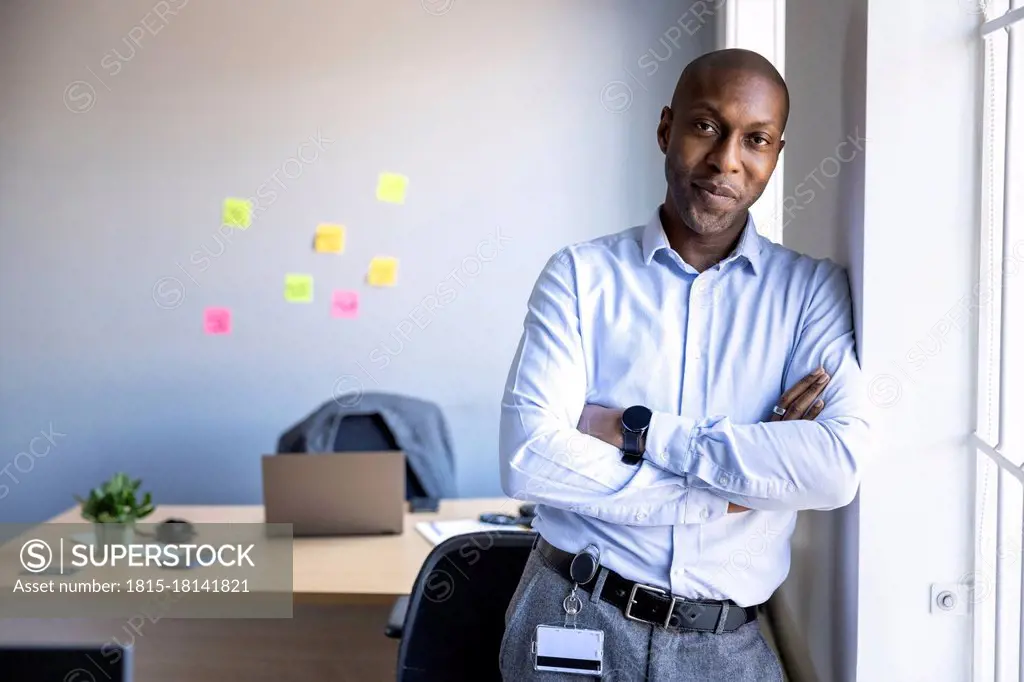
{"type": "Point", "coordinates": [953, 599]}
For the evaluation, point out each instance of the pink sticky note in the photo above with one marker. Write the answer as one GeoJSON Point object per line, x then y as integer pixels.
{"type": "Point", "coordinates": [217, 321]}
{"type": "Point", "coordinates": [345, 304]}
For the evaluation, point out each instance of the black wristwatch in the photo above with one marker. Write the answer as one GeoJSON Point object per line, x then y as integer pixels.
{"type": "Point", "coordinates": [635, 422]}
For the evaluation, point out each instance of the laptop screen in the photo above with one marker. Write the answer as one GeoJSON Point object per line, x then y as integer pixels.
{"type": "Point", "coordinates": [52, 663]}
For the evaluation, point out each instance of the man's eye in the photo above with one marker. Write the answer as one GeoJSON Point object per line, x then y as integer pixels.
{"type": "Point", "coordinates": [704, 127]}
{"type": "Point", "coordinates": [761, 140]}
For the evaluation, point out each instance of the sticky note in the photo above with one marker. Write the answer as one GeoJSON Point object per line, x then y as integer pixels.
{"type": "Point", "coordinates": [217, 321]}
{"type": "Point", "coordinates": [330, 238]}
{"type": "Point", "coordinates": [298, 288]}
{"type": "Point", "coordinates": [391, 188]}
{"type": "Point", "coordinates": [237, 212]}
{"type": "Point", "coordinates": [345, 304]}
{"type": "Point", "coordinates": [383, 271]}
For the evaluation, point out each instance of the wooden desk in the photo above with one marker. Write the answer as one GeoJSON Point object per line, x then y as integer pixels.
{"type": "Point", "coordinates": [351, 570]}
{"type": "Point", "coordinates": [343, 591]}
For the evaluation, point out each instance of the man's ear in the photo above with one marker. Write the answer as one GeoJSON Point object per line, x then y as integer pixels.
{"type": "Point", "coordinates": [782, 145]}
{"type": "Point", "coordinates": [664, 129]}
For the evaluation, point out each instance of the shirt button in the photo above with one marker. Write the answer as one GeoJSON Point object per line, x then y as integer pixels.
{"type": "Point", "coordinates": [704, 514]}
{"type": "Point", "coordinates": [722, 480]}
{"type": "Point", "coordinates": [640, 516]}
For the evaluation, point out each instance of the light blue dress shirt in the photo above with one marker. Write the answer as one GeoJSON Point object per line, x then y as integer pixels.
{"type": "Point", "coordinates": [621, 320]}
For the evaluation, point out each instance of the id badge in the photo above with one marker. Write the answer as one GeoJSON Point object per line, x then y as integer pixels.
{"type": "Point", "coordinates": [568, 650]}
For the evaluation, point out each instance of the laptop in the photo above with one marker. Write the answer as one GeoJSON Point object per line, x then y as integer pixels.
{"type": "Point", "coordinates": [336, 493]}
{"type": "Point", "coordinates": [66, 662]}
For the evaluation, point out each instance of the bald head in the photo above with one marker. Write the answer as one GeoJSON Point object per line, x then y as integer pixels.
{"type": "Point", "coordinates": [725, 64]}
{"type": "Point", "coordinates": [722, 138]}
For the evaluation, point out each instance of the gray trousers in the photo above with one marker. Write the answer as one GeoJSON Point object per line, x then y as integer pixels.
{"type": "Point", "coordinates": [633, 651]}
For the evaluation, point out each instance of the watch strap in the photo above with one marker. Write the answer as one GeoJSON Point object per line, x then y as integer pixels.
{"type": "Point", "coordinates": [631, 453]}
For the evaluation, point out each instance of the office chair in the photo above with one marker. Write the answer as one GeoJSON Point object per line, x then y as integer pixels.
{"type": "Point", "coordinates": [452, 624]}
{"type": "Point", "coordinates": [369, 433]}
{"type": "Point", "coordinates": [383, 421]}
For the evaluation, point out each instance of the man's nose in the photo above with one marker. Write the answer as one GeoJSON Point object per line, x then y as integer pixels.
{"type": "Point", "coordinates": [725, 156]}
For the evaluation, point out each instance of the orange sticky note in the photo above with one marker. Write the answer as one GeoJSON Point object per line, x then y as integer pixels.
{"type": "Point", "coordinates": [345, 304]}
{"type": "Point", "coordinates": [391, 188]}
{"type": "Point", "coordinates": [330, 238]}
{"type": "Point", "coordinates": [217, 321]}
{"type": "Point", "coordinates": [383, 271]}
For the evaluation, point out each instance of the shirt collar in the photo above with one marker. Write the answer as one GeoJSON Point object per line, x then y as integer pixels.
{"type": "Point", "coordinates": [748, 247]}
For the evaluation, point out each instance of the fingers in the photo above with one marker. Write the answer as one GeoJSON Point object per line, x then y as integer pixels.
{"type": "Point", "coordinates": [814, 410]}
{"type": "Point", "coordinates": [803, 402]}
{"type": "Point", "coordinates": [800, 387]}
{"type": "Point", "coordinates": [800, 399]}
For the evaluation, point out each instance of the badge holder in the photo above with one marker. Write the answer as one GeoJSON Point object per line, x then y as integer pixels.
{"type": "Point", "coordinates": [568, 649]}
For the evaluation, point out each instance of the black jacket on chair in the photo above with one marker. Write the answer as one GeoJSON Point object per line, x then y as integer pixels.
{"type": "Point", "coordinates": [383, 421]}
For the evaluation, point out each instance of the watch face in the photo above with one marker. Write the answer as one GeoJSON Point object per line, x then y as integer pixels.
{"type": "Point", "coordinates": [636, 418]}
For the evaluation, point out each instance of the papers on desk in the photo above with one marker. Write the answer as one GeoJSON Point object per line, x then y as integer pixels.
{"type": "Point", "coordinates": [437, 532]}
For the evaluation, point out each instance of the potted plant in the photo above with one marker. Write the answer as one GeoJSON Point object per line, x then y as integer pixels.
{"type": "Point", "coordinates": [114, 507]}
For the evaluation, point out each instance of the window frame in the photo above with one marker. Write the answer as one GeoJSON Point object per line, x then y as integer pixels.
{"type": "Point", "coordinates": [998, 576]}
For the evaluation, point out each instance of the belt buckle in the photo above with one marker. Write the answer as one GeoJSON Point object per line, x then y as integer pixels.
{"type": "Point", "coordinates": [652, 590]}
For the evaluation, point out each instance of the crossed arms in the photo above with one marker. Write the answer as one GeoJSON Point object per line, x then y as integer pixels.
{"type": "Point", "coordinates": [694, 467]}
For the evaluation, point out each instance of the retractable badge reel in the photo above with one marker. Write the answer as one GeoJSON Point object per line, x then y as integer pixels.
{"type": "Point", "coordinates": [569, 649]}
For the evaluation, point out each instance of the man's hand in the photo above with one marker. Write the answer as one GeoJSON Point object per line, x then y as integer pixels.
{"type": "Point", "coordinates": [799, 402]}
{"type": "Point", "coordinates": [603, 423]}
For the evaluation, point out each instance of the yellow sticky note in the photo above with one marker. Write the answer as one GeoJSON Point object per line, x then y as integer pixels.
{"type": "Point", "coordinates": [391, 188]}
{"type": "Point", "coordinates": [330, 238]}
{"type": "Point", "coordinates": [298, 288]}
{"type": "Point", "coordinates": [237, 212]}
{"type": "Point", "coordinates": [383, 271]}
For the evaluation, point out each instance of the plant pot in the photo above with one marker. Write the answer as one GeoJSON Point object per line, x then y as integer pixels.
{"type": "Point", "coordinates": [114, 533]}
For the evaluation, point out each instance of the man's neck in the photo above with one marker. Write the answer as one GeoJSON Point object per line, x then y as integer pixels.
{"type": "Point", "coordinates": [697, 250]}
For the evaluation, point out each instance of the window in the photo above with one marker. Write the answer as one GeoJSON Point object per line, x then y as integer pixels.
{"type": "Point", "coordinates": [998, 301]}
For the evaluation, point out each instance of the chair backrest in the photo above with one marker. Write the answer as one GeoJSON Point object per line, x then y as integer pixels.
{"type": "Point", "coordinates": [369, 433]}
{"type": "Point", "coordinates": [456, 617]}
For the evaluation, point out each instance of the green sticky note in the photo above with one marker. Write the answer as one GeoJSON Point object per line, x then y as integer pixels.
{"type": "Point", "coordinates": [391, 188]}
{"type": "Point", "coordinates": [298, 288]}
{"type": "Point", "coordinates": [237, 212]}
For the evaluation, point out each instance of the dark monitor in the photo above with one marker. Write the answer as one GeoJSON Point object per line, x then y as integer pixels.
{"type": "Point", "coordinates": [65, 663]}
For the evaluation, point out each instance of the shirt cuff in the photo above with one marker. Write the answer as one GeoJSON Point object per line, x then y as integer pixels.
{"type": "Point", "coordinates": [670, 442]}
{"type": "Point", "coordinates": [703, 506]}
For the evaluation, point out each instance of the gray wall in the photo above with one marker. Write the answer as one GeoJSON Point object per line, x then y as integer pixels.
{"type": "Point", "coordinates": [124, 126]}
{"type": "Point", "coordinates": [826, 60]}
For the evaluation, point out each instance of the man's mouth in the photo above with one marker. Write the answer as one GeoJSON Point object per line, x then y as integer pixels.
{"type": "Point", "coordinates": [713, 194]}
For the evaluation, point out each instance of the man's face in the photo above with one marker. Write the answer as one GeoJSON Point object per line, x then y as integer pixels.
{"type": "Point", "coordinates": [721, 145]}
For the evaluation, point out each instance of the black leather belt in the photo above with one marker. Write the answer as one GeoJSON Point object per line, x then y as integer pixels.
{"type": "Point", "coordinates": [654, 605]}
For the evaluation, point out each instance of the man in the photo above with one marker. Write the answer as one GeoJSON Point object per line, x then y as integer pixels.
{"type": "Point", "coordinates": [680, 391]}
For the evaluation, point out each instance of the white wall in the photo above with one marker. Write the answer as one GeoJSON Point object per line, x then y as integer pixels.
{"type": "Point", "coordinates": [901, 215]}
{"type": "Point", "coordinates": [534, 118]}
{"type": "Point", "coordinates": [920, 253]}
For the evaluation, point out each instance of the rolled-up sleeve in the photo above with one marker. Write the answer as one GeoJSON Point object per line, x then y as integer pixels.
{"type": "Point", "coordinates": [544, 458]}
{"type": "Point", "coordinates": [784, 465]}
